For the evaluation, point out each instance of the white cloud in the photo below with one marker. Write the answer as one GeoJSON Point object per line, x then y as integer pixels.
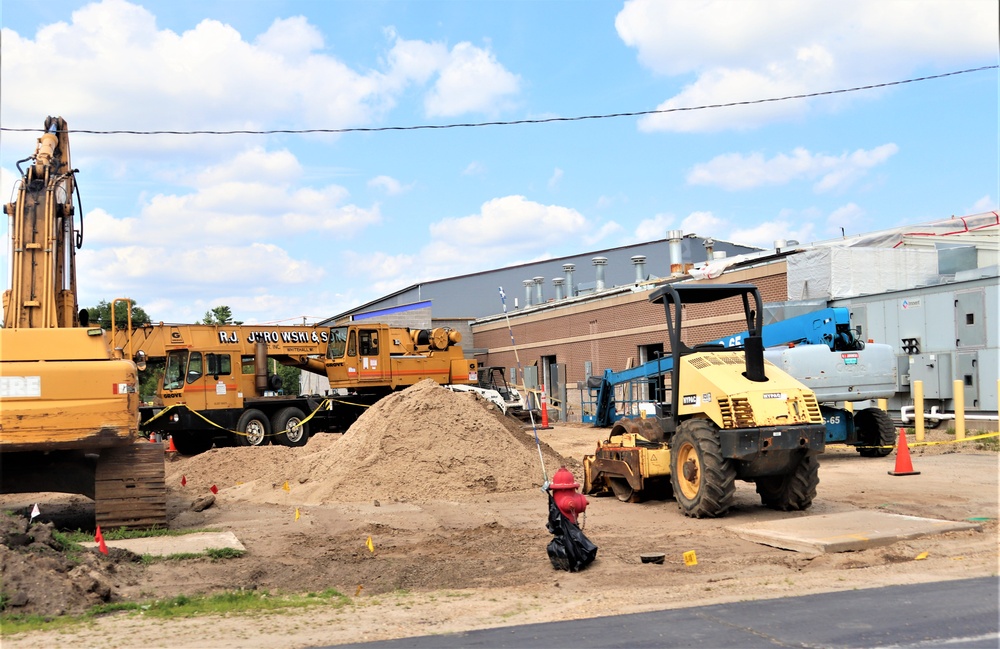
{"type": "Point", "coordinates": [985, 204]}
{"type": "Point", "coordinates": [654, 228]}
{"type": "Point", "coordinates": [773, 48]}
{"type": "Point", "coordinates": [850, 217]}
{"type": "Point", "coordinates": [290, 38]}
{"type": "Point", "coordinates": [554, 179]}
{"type": "Point", "coordinates": [763, 235]}
{"type": "Point", "coordinates": [704, 224]}
{"type": "Point", "coordinates": [389, 185]}
{"type": "Point", "coordinates": [735, 171]}
{"type": "Point", "coordinates": [471, 81]}
{"type": "Point", "coordinates": [112, 54]}
{"type": "Point", "coordinates": [511, 221]}
{"type": "Point", "coordinates": [474, 169]}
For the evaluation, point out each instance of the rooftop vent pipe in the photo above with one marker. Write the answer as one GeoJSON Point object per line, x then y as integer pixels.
{"type": "Point", "coordinates": [558, 283]}
{"type": "Point", "coordinates": [599, 264]}
{"type": "Point", "coordinates": [709, 249]}
{"type": "Point", "coordinates": [539, 281]}
{"type": "Point", "coordinates": [639, 261]}
{"type": "Point", "coordinates": [568, 270]}
{"type": "Point", "coordinates": [528, 283]}
{"type": "Point", "coordinates": [676, 254]}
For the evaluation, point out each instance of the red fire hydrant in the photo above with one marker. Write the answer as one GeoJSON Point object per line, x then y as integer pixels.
{"type": "Point", "coordinates": [563, 488]}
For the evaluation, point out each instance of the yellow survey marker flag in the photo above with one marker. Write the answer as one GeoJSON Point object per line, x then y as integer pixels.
{"type": "Point", "coordinates": [370, 545]}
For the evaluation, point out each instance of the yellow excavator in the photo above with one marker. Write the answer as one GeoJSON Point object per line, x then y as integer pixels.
{"type": "Point", "coordinates": [69, 405]}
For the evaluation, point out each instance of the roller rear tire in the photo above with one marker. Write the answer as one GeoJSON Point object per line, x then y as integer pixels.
{"type": "Point", "coordinates": [794, 491]}
{"type": "Point", "coordinates": [703, 482]}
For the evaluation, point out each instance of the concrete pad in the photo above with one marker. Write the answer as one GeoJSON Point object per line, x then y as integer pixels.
{"type": "Point", "coordinates": [845, 532]}
{"type": "Point", "coordinates": [184, 544]}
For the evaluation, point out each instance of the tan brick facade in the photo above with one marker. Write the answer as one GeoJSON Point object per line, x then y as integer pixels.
{"type": "Point", "coordinates": [608, 331]}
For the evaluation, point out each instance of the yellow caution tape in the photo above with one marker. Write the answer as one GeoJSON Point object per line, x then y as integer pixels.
{"type": "Point", "coordinates": [324, 405]}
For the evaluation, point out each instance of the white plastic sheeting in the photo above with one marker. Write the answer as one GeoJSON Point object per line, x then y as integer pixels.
{"type": "Point", "coordinates": [838, 272]}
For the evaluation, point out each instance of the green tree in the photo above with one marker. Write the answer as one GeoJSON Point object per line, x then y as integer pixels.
{"type": "Point", "coordinates": [220, 315]}
{"type": "Point", "coordinates": [289, 378]}
{"type": "Point", "coordinates": [100, 315]}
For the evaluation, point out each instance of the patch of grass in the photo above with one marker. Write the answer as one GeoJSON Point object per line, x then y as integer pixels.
{"type": "Point", "coordinates": [215, 554]}
{"type": "Point", "coordinates": [120, 534]}
{"type": "Point", "coordinates": [228, 603]}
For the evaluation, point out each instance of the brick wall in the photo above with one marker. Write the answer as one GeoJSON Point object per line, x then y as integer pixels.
{"type": "Point", "coordinates": [608, 331]}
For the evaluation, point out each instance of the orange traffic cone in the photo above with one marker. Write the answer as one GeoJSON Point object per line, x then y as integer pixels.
{"type": "Point", "coordinates": [545, 410]}
{"type": "Point", "coordinates": [903, 464]}
{"type": "Point", "coordinates": [170, 447]}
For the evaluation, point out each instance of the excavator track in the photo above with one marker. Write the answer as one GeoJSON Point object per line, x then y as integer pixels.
{"type": "Point", "coordinates": [130, 489]}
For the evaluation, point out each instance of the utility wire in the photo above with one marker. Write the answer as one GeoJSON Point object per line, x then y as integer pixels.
{"type": "Point", "coordinates": [516, 122]}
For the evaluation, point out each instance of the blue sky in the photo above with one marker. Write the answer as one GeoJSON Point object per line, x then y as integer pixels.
{"type": "Point", "coordinates": [281, 227]}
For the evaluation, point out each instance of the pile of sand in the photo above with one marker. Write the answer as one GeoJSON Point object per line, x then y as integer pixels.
{"type": "Point", "coordinates": [424, 443]}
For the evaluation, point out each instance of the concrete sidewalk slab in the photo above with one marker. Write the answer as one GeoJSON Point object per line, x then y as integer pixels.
{"type": "Point", "coordinates": [184, 544]}
{"type": "Point", "coordinates": [845, 532]}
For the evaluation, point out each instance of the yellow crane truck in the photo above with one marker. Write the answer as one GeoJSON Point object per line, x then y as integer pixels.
{"type": "Point", "coordinates": [728, 414]}
{"type": "Point", "coordinates": [217, 386]}
{"type": "Point", "coordinates": [68, 403]}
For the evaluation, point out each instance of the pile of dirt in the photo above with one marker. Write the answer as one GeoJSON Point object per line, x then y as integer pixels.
{"type": "Point", "coordinates": [423, 443]}
{"type": "Point", "coordinates": [42, 577]}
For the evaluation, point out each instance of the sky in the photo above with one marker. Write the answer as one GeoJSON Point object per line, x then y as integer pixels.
{"type": "Point", "coordinates": [297, 227]}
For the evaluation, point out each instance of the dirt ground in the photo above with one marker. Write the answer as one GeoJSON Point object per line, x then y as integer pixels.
{"type": "Point", "coordinates": [449, 494]}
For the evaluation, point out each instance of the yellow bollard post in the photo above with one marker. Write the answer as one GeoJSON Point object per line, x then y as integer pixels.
{"type": "Point", "coordinates": [883, 404]}
{"type": "Point", "coordinates": [849, 406]}
{"type": "Point", "coordinates": [918, 409]}
{"type": "Point", "coordinates": [959, 400]}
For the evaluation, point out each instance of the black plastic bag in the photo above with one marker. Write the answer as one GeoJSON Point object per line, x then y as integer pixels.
{"type": "Point", "coordinates": [570, 549]}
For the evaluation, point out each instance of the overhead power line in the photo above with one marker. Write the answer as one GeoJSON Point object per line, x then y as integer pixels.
{"type": "Point", "coordinates": [545, 120]}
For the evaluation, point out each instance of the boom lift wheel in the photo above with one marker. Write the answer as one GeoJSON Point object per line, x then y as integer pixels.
{"type": "Point", "coordinates": [290, 429]}
{"type": "Point", "coordinates": [791, 492]}
{"type": "Point", "coordinates": [876, 432]}
{"type": "Point", "coordinates": [703, 481]}
{"type": "Point", "coordinates": [254, 429]}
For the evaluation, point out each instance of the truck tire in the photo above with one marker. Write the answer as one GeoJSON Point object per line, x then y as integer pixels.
{"type": "Point", "coordinates": [288, 427]}
{"type": "Point", "coordinates": [876, 432]}
{"type": "Point", "coordinates": [703, 481]}
{"type": "Point", "coordinates": [191, 443]}
{"type": "Point", "coordinates": [253, 429]}
{"type": "Point", "coordinates": [794, 491]}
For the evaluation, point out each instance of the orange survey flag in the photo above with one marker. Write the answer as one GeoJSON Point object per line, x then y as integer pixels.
{"type": "Point", "coordinates": [100, 541]}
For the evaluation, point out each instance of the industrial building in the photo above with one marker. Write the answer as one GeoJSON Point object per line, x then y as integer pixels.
{"type": "Point", "coordinates": [928, 290]}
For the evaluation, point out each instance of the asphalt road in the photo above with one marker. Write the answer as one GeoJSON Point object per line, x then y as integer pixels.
{"type": "Point", "coordinates": [962, 613]}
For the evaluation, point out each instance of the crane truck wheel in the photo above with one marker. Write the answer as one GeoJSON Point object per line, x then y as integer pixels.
{"type": "Point", "coordinates": [290, 429]}
{"type": "Point", "coordinates": [794, 491]}
{"type": "Point", "coordinates": [703, 481]}
{"type": "Point", "coordinates": [253, 429]}
{"type": "Point", "coordinates": [876, 432]}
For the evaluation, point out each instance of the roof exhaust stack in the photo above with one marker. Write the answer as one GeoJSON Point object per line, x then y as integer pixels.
{"type": "Point", "coordinates": [676, 254]}
{"type": "Point", "coordinates": [709, 249]}
{"type": "Point", "coordinates": [539, 281]}
{"type": "Point", "coordinates": [639, 261]}
{"type": "Point", "coordinates": [558, 283]}
{"type": "Point", "coordinates": [528, 283]}
{"type": "Point", "coordinates": [599, 264]}
{"type": "Point", "coordinates": [568, 270]}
